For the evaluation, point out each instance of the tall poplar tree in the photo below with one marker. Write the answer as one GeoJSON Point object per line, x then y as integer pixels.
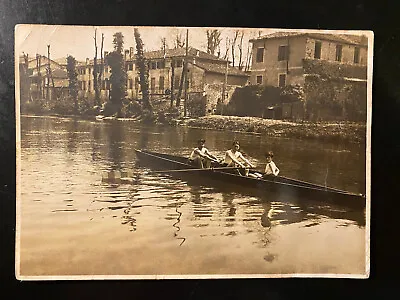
{"type": "Point", "coordinates": [143, 72]}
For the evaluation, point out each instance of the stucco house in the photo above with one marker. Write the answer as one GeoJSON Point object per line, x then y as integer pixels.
{"type": "Point", "coordinates": [317, 62]}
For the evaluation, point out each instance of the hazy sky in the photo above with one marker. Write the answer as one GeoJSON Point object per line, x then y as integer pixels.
{"type": "Point", "coordinates": [78, 40]}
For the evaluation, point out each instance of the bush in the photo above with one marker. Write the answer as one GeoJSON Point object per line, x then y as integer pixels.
{"type": "Point", "coordinates": [63, 106]}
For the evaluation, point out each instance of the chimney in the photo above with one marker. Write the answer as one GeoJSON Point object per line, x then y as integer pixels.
{"type": "Point", "coordinates": [87, 61]}
{"type": "Point", "coordinates": [194, 60]}
{"type": "Point", "coordinates": [126, 53]}
{"type": "Point", "coordinates": [130, 52]}
{"type": "Point", "coordinates": [197, 53]}
{"type": "Point", "coordinates": [105, 53]}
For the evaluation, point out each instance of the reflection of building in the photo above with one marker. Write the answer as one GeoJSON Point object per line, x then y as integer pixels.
{"type": "Point", "coordinates": [206, 74]}
{"type": "Point", "coordinates": [42, 78]}
{"type": "Point", "coordinates": [326, 65]}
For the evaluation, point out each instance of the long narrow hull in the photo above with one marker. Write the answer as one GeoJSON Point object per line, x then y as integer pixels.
{"type": "Point", "coordinates": [280, 185]}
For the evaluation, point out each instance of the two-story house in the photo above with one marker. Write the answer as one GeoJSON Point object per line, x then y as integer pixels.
{"type": "Point", "coordinates": [293, 58]}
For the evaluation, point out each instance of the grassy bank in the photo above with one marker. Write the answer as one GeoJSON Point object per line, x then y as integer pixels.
{"type": "Point", "coordinates": [327, 131]}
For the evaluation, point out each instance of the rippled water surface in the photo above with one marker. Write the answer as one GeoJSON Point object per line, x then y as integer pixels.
{"type": "Point", "coordinates": [72, 223]}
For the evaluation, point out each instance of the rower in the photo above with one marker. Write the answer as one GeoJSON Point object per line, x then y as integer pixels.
{"type": "Point", "coordinates": [234, 158]}
{"type": "Point", "coordinates": [201, 157]}
{"type": "Point", "coordinates": [271, 170]}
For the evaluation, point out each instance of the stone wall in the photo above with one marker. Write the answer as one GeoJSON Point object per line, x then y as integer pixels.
{"type": "Point", "coordinates": [214, 96]}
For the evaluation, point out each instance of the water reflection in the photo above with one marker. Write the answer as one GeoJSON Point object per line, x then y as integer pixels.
{"type": "Point", "coordinates": [116, 140]}
{"type": "Point", "coordinates": [177, 211]}
{"type": "Point", "coordinates": [267, 214]}
{"type": "Point", "coordinates": [178, 220]}
{"type": "Point", "coordinates": [72, 135]}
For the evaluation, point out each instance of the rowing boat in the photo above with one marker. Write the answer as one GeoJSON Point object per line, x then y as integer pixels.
{"type": "Point", "coordinates": [275, 184]}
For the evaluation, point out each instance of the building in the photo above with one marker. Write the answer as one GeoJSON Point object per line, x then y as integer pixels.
{"type": "Point", "coordinates": [208, 76]}
{"type": "Point", "coordinates": [317, 62]}
{"type": "Point", "coordinates": [42, 78]}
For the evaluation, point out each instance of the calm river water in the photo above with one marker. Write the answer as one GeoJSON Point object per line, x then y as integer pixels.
{"type": "Point", "coordinates": [72, 223]}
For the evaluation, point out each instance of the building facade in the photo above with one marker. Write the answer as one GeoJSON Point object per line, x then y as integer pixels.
{"type": "Point", "coordinates": [205, 73]}
{"type": "Point", "coordinates": [337, 63]}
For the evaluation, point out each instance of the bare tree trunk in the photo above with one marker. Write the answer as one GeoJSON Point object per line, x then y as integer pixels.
{"type": "Point", "coordinates": [240, 46]}
{"type": "Point", "coordinates": [95, 72]}
{"type": "Point", "coordinates": [233, 46]}
{"type": "Point", "coordinates": [101, 70]}
{"type": "Point", "coordinates": [183, 75]}
{"type": "Point", "coordinates": [227, 45]}
{"type": "Point", "coordinates": [172, 82]}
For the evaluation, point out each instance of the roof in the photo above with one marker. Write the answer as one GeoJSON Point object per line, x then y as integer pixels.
{"type": "Point", "coordinates": [56, 73]}
{"type": "Point", "coordinates": [180, 52]}
{"type": "Point", "coordinates": [220, 69]}
{"type": "Point", "coordinates": [341, 38]}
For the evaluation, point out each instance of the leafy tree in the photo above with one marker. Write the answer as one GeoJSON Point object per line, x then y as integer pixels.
{"type": "Point", "coordinates": [142, 71]}
{"type": "Point", "coordinates": [73, 80]}
{"type": "Point", "coordinates": [118, 75]}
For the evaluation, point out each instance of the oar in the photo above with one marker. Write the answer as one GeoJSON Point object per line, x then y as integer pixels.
{"type": "Point", "coordinates": [204, 169]}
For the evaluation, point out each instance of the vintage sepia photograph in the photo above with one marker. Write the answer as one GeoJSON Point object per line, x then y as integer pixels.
{"type": "Point", "coordinates": [192, 152]}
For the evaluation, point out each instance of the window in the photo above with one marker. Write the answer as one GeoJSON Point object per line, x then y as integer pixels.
{"type": "Point", "coordinates": [160, 64]}
{"type": "Point", "coordinates": [161, 83]}
{"type": "Point", "coordinates": [89, 84]}
{"type": "Point", "coordinates": [282, 80]}
{"type": "Point", "coordinates": [356, 55]}
{"type": "Point", "coordinates": [178, 63]}
{"type": "Point", "coordinates": [260, 55]}
{"type": "Point", "coordinates": [177, 82]}
{"type": "Point", "coordinates": [153, 65]}
{"type": "Point", "coordinates": [130, 84]}
{"type": "Point", "coordinates": [103, 84]}
{"type": "Point", "coordinates": [136, 83]}
{"type": "Point", "coordinates": [317, 50]}
{"type": "Point", "coordinates": [283, 53]}
{"type": "Point", "coordinates": [153, 84]}
{"type": "Point", "coordinates": [106, 69]}
{"type": "Point", "coordinates": [107, 84]}
{"type": "Point", "coordinates": [338, 53]}
{"type": "Point", "coordinates": [129, 66]}
{"type": "Point", "coordinates": [259, 79]}
{"type": "Point", "coordinates": [84, 85]}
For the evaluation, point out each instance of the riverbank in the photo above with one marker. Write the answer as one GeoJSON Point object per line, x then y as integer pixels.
{"type": "Point", "coordinates": [324, 131]}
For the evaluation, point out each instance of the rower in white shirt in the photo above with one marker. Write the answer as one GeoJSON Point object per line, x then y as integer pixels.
{"type": "Point", "coordinates": [270, 168]}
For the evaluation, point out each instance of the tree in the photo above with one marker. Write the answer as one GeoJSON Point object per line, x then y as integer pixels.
{"type": "Point", "coordinates": [164, 45]}
{"type": "Point", "coordinates": [227, 46]}
{"type": "Point", "coordinates": [72, 80]}
{"type": "Point", "coordinates": [213, 40]}
{"type": "Point", "coordinates": [233, 44]}
{"type": "Point", "coordinates": [95, 72]}
{"type": "Point", "coordinates": [179, 41]}
{"type": "Point", "coordinates": [143, 72]}
{"type": "Point", "coordinates": [240, 47]}
{"type": "Point", "coordinates": [118, 42]}
{"type": "Point", "coordinates": [118, 74]}
{"type": "Point", "coordinates": [101, 68]}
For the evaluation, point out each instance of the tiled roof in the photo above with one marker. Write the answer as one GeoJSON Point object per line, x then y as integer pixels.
{"type": "Point", "coordinates": [341, 38]}
{"type": "Point", "coordinates": [220, 68]}
{"type": "Point", "coordinates": [180, 52]}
